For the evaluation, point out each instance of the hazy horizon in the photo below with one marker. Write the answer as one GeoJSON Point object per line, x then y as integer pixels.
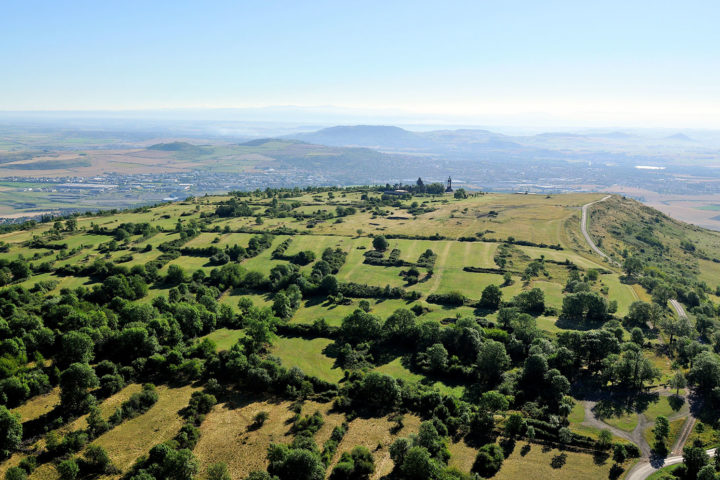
{"type": "Point", "coordinates": [645, 64]}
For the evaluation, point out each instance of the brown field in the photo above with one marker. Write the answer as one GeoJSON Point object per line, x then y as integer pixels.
{"type": "Point", "coordinates": [133, 438]}
{"type": "Point", "coordinates": [225, 436]}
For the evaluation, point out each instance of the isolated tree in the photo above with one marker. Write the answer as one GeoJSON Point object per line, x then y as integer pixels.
{"type": "Point", "coordinates": [488, 460]}
{"type": "Point", "coordinates": [632, 266]}
{"type": "Point", "coordinates": [491, 297]}
{"type": "Point", "coordinates": [380, 243]}
{"type": "Point", "coordinates": [661, 430]}
{"type": "Point", "coordinates": [677, 382]}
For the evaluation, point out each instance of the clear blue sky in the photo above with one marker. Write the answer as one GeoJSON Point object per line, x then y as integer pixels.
{"type": "Point", "coordinates": [585, 61]}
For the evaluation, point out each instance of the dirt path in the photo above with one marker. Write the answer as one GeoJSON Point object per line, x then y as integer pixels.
{"type": "Point", "coordinates": [438, 272]}
{"type": "Point", "coordinates": [636, 436]}
{"type": "Point", "coordinates": [687, 429]}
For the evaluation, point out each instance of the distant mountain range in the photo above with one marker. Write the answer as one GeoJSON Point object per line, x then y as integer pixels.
{"type": "Point", "coordinates": [469, 141]}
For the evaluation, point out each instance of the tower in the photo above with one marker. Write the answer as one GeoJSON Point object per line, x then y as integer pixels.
{"type": "Point", "coordinates": [449, 185]}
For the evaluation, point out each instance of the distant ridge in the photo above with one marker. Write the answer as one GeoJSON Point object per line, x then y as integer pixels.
{"type": "Point", "coordinates": [680, 137]}
{"type": "Point", "coordinates": [366, 136]}
{"type": "Point", "coordinates": [183, 147]}
{"type": "Point", "coordinates": [262, 141]}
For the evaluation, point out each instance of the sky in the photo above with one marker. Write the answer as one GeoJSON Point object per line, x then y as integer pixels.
{"type": "Point", "coordinates": [633, 63]}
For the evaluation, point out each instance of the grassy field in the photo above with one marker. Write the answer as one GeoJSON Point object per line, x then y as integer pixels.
{"type": "Point", "coordinates": [534, 463]}
{"type": "Point", "coordinates": [225, 338]}
{"type": "Point", "coordinates": [226, 434]}
{"type": "Point", "coordinates": [307, 355]}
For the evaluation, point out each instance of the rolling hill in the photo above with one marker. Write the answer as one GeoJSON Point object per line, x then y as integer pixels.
{"type": "Point", "coordinates": [334, 328]}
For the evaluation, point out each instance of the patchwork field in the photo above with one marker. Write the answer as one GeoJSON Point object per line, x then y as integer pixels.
{"type": "Point", "coordinates": [319, 291]}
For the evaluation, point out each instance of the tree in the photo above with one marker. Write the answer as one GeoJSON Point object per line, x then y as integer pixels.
{"type": "Point", "coordinates": [74, 347]}
{"type": "Point", "coordinates": [329, 285]}
{"type": "Point", "coordinates": [97, 458]}
{"type": "Point", "coordinates": [379, 392]}
{"type": "Point", "coordinates": [355, 465]}
{"type": "Point", "coordinates": [218, 471]}
{"type": "Point", "coordinates": [661, 430]}
{"type": "Point", "coordinates": [694, 459]}
{"type": "Point", "coordinates": [11, 431]}
{"type": "Point", "coordinates": [175, 275]}
{"type": "Point", "coordinates": [360, 327]}
{"type": "Point", "coordinates": [294, 463]}
{"type": "Point", "coordinates": [68, 469]}
{"type": "Point", "coordinates": [491, 297]}
{"type": "Point", "coordinates": [604, 439]}
{"type": "Point", "coordinates": [707, 473]}
{"type": "Point", "coordinates": [677, 382]}
{"type": "Point", "coordinates": [632, 266]}
{"type": "Point", "coordinates": [281, 306]}
{"type": "Point", "coordinates": [637, 337]}
{"type": "Point", "coordinates": [74, 384]}
{"type": "Point", "coordinates": [532, 301]}
{"type": "Point", "coordinates": [15, 473]}
{"type": "Point", "coordinates": [515, 425]}
{"type": "Point", "coordinates": [460, 193]}
{"type": "Point", "coordinates": [641, 314]}
{"type": "Point", "coordinates": [492, 361]}
{"type": "Point", "coordinates": [676, 326]}
{"type": "Point", "coordinates": [661, 294]}
{"type": "Point", "coordinates": [488, 460]}
{"type": "Point", "coordinates": [400, 326]}
{"type": "Point", "coordinates": [380, 243]}
{"type": "Point", "coordinates": [437, 357]}
{"type": "Point", "coordinates": [418, 465]}
{"type": "Point", "coordinates": [705, 372]}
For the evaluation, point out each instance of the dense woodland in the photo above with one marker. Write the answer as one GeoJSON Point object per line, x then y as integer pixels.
{"type": "Point", "coordinates": [520, 381]}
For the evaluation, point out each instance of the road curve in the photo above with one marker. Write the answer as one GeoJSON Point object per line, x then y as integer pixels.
{"type": "Point", "coordinates": [583, 229]}
{"type": "Point", "coordinates": [677, 306]}
{"type": "Point", "coordinates": [643, 470]}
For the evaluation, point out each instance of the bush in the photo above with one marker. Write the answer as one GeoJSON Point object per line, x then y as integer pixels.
{"type": "Point", "coordinates": [488, 461]}
{"type": "Point", "coordinates": [68, 469]}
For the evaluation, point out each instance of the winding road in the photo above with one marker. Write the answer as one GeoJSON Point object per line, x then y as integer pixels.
{"type": "Point", "coordinates": [643, 470]}
{"type": "Point", "coordinates": [583, 229]}
{"type": "Point", "coordinates": [645, 467]}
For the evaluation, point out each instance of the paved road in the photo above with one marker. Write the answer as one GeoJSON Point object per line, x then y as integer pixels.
{"type": "Point", "coordinates": [583, 229]}
{"type": "Point", "coordinates": [644, 469]}
{"type": "Point", "coordinates": [677, 306]}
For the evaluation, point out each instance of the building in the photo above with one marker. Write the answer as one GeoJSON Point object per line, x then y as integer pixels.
{"type": "Point", "coordinates": [449, 186]}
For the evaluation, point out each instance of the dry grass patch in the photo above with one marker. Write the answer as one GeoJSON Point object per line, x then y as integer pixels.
{"type": "Point", "coordinates": [225, 436]}
{"type": "Point", "coordinates": [38, 405]}
{"type": "Point", "coordinates": [374, 433]}
{"type": "Point", "coordinates": [133, 438]}
{"type": "Point", "coordinates": [535, 465]}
